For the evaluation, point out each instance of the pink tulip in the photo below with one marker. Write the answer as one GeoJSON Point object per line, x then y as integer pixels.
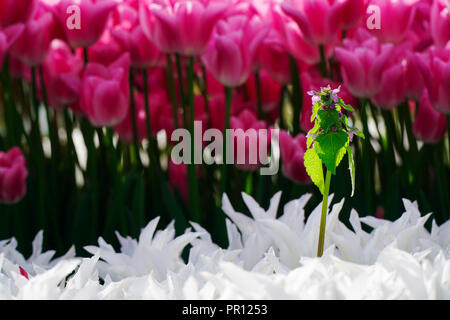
{"type": "Point", "coordinates": [362, 62]}
{"type": "Point", "coordinates": [440, 22]}
{"type": "Point", "coordinates": [414, 79]}
{"type": "Point", "coordinates": [292, 156]}
{"type": "Point", "coordinates": [93, 17]}
{"type": "Point", "coordinates": [231, 55]}
{"type": "Point", "coordinates": [16, 11]}
{"type": "Point", "coordinates": [3, 5]}
{"type": "Point", "coordinates": [62, 71]}
{"type": "Point", "coordinates": [130, 35]}
{"type": "Point", "coordinates": [179, 26]}
{"type": "Point", "coordinates": [13, 175]}
{"type": "Point", "coordinates": [105, 51]}
{"type": "Point", "coordinates": [294, 39]}
{"type": "Point", "coordinates": [143, 53]}
{"type": "Point", "coordinates": [429, 126]}
{"type": "Point", "coordinates": [249, 143]}
{"type": "Point", "coordinates": [420, 33]}
{"type": "Point", "coordinates": [396, 19]}
{"type": "Point", "coordinates": [105, 93]}
{"type": "Point", "coordinates": [7, 38]}
{"type": "Point", "coordinates": [270, 91]}
{"type": "Point", "coordinates": [440, 94]}
{"type": "Point", "coordinates": [275, 58]}
{"type": "Point", "coordinates": [319, 20]}
{"type": "Point", "coordinates": [32, 46]}
{"type": "Point", "coordinates": [352, 13]}
{"type": "Point", "coordinates": [393, 87]}
{"type": "Point", "coordinates": [435, 68]}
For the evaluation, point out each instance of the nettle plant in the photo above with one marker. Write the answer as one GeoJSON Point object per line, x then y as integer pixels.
{"type": "Point", "coordinates": [328, 142]}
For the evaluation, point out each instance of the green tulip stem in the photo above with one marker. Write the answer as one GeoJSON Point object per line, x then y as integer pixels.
{"type": "Point", "coordinates": [323, 217]}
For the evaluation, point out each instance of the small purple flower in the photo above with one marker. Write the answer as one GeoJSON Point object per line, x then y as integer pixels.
{"type": "Point", "coordinates": [334, 95]}
{"type": "Point", "coordinates": [315, 99]}
{"type": "Point", "coordinates": [334, 129]}
{"type": "Point", "coordinates": [325, 89]}
{"type": "Point", "coordinates": [340, 114]}
{"type": "Point", "coordinates": [312, 135]}
{"type": "Point", "coordinates": [351, 133]}
{"type": "Point", "coordinates": [332, 106]}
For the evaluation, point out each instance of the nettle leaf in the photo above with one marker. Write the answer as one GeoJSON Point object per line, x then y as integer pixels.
{"type": "Point", "coordinates": [341, 154]}
{"type": "Point", "coordinates": [360, 134]}
{"type": "Point", "coordinates": [314, 168]}
{"type": "Point", "coordinates": [314, 129]}
{"type": "Point", "coordinates": [351, 167]}
{"type": "Point", "coordinates": [345, 120]}
{"type": "Point", "coordinates": [309, 141]}
{"type": "Point", "coordinates": [316, 108]}
{"type": "Point", "coordinates": [328, 118]}
{"type": "Point", "coordinates": [345, 106]}
{"type": "Point", "coordinates": [312, 133]}
{"type": "Point", "coordinates": [328, 148]}
{"type": "Point", "coordinates": [355, 131]}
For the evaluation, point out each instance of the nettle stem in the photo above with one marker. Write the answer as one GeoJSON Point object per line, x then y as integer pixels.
{"type": "Point", "coordinates": [323, 217]}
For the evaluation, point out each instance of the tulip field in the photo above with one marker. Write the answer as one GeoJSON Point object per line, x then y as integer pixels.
{"type": "Point", "coordinates": [166, 149]}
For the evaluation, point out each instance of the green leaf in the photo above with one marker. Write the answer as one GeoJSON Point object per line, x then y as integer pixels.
{"type": "Point", "coordinates": [360, 134]}
{"type": "Point", "coordinates": [138, 206]}
{"type": "Point", "coordinates": [345, 106]}
{"type": "Point", "coordinates": [316, 108]}
{"type": "Point", "coordinates": [348, 107]}
{"type": "Point", "coordinates": [314, 168]}
{"type": "Point", "coordinates": [328, 118]}
{"type": "Point", "coordinates": [315, 129]}
{"type": "Point", "coordinates": [351, 167]}
{"type": "Point", "coordinates": [328, 148]}
{"type": "Point", "coordinates": [345, 119]}
{"type": "Point", "coordinates": [174, 208]}
{"type": "Point", "coordinates": [341, 154]}
{"type": "Point", "coordinates": [309, 142]}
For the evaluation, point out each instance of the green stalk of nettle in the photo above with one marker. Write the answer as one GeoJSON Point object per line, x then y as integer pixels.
{"type": "Point", "coordinates": [328, 142]}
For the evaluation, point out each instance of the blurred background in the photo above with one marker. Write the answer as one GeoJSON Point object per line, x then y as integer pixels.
{"type": "Point", "coordinates": [91, 91]}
